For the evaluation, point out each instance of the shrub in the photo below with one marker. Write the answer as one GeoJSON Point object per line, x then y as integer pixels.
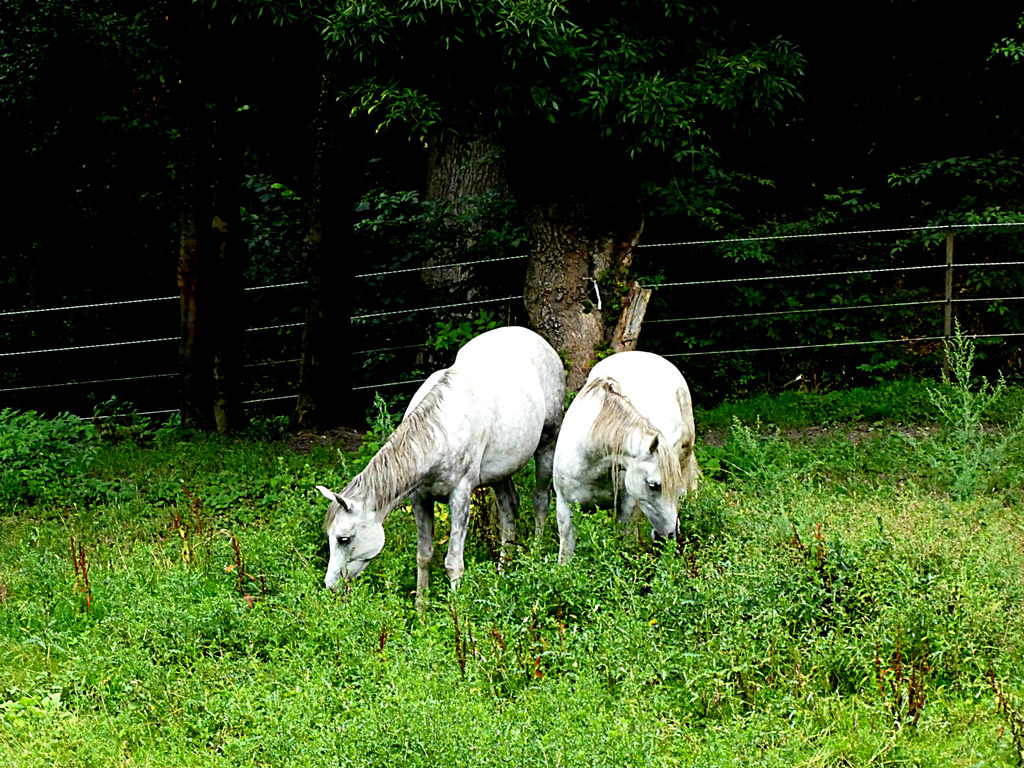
{"type": "Point", "coordinates": [42, 459]}
{"type": "Point", "coordinates": [969, 454]}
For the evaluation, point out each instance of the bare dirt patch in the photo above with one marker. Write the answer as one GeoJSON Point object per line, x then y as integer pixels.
{"type": "Point", "coordinates": [855, 433]}
{"type": "Point", "coordinates": [345, 438]}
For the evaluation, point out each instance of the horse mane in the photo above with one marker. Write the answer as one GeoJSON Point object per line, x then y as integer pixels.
{"type": "Point", "coordinates": [398, 465]}
{"type": "Point", "coordinates": [618, 420]}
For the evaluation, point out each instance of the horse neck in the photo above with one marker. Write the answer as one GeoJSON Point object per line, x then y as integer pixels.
{"type": "Point", "coordinates": [402, 462]}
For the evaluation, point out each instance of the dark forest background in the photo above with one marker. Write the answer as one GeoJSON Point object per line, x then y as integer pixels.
{"type": "Point", "coordinates": [322, 139]}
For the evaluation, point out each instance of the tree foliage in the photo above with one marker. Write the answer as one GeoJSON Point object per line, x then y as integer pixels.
{"type": "Point", "coordinates": [1010, 47]}
{"type": "Point", "coordinates": [740, 119]}
{"type": "Point", "coordinates": [645, 76]}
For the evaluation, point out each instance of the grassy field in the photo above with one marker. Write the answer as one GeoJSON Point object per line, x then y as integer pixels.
{"type": "Point", "coordinates": [847, 595]}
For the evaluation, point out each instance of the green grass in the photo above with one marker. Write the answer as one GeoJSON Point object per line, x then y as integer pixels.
{"type": "Point", "coordinates": [833, 603]}
{"type": "Point", "coordinates": [899, 402]}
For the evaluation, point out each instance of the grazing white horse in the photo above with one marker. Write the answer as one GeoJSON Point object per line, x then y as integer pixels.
{"type": "Point", "coordinates": [476, 423]}
{"type": "Point", "coordinates": [628, 439]}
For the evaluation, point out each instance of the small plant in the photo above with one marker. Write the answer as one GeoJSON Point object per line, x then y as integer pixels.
{"type": "Point", "coordinates": [193, 531]}
{"type": "Point", "coordinates": [81, 574]}
{"type": "Point", "coordinates": [960, 405]}
{"type": "Point", "coordinates": [755, 459]}
{"type": "Point", "coordinates": [116, 420]}
{"type": "Point", "coordinates": [242, 577]}
{"type": "Point", "coordinates": [452, 334]}
{"type": "Point", "coordinates": [382, 424]}
{"type": "Point", "coordinates": [970, 454]}
{"type": "Point", "coordinates": [902, 683]}
{"type": "Point", "coordinates": [42, 460]}
{"type": "Point", "coordinates": [30, 708]}
{"type": "Point", "coordinates": [1012, 714]}
{"type": "Point", "coordinates": [464, 645]}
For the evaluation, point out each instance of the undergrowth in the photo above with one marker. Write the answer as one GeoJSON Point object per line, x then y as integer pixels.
{"type": "Point", "coordinates": [831, 601]}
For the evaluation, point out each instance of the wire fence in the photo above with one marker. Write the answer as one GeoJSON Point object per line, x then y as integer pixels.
{"type": "Point", "coordinates": [33, 377]}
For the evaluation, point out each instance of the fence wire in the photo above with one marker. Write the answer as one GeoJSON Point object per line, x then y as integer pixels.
{"type": "Point", "coordinates": [830, 344]}
{"type": "Point", "coordinates": [484, 302]}
{"type": "Point", "coordinates": [847, 233]}
{"type": "Point", "coordinates": [845, 308]}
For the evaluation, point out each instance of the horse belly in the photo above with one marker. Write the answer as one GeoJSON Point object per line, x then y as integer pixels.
{"type": "Point", "coordinates": [512, 430]}
{"type": "Point", "coordinates": [597, 490]}
{"type": "Point", "coordinates": [509, 449]}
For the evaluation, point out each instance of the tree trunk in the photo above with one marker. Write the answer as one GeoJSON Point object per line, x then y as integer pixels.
{"type": "Point", "coordinates": [467, 176]}
{"type": "Point", "coordinates": [227, 318]}
{"type": "Point", "coordinates": [577, 286]}
{"type": "Point", "coordinates": [212, 251]}
{"type": "Point", "coordinates": [325, 368]}
{"type": "Point", "coordinates": [461, 172]}
{"type": "Point", "coordinates": [468, 179]}
{"type": "Point", "coordinates": [193, 360]}
{"type": "Point", "coordinates": [634, 307]}
{"type": "Point", "coordinates": [210, 265]}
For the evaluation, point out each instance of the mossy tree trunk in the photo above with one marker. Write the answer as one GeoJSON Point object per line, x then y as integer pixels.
{"type": "Point", "coordinates": [577, 283]}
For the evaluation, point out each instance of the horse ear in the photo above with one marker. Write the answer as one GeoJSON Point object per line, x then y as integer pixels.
{"type": "Point", "coordinates": [613, 386]}
{"type": "Point", "coordinates": [654, 445]}
{"type": "Point", "coordinates": [331, 496]}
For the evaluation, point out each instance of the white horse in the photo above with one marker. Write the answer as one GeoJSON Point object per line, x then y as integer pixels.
{"type": "Point", "coordinates": [627, 439]}
{"type": "Point", "coordinates": [476, 423]}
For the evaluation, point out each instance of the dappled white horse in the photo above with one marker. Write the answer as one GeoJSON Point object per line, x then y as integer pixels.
{"type": "Point", "coordinates": [626, 439]}
{"type": "Point", "coordinates": [473, 424]}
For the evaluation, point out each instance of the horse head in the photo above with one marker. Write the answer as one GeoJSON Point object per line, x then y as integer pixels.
{"type": "Point", "coordinates": [354, 536]}
{"type": "Point", "coordinates": [652, 480]}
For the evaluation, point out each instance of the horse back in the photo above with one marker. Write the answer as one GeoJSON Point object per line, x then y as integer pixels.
{"type": "Point", "coordinates": [504, 390]}
{"type": "Point", "coordinates": [509, 366]}
{"type": "Point", "coordinates": [656, 389]}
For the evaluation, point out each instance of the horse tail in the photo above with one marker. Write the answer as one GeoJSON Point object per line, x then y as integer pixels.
{"type": "Point", "coordinates": [688, 466]}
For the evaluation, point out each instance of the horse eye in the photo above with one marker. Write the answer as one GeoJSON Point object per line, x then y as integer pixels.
{"type": "Point", "coordinates": [344, 541]}
{"type": "Point", "coordinates": [654, 486]}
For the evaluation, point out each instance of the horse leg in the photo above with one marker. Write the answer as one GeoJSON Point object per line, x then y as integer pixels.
{"type": "Point", "coordinates": [566, 530]}
{"type": "Point", "coordinates": [543, 461]}
{"type": "Point", "coordinates": [423, 510]}
{"type": "Point", "coordinates": [458, 513]}
{"type": "Point", "coordinates": [508, 505]}
{"type": "Point", "coordinates": [627, 509]}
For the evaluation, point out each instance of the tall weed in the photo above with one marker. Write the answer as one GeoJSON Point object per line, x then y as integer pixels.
{"type": "Point", "coordinates": [969, 454]}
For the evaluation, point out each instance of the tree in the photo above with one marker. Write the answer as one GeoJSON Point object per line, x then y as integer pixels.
{"type": "Point", "coordinates": [589, 107]}
{"type": "Point", "coordinates": [333, 151]}
{"type": "Point", "coordinates": [579, 97]}
{"type": "Point", "coordinates": [325, 374]}
{"type": "Point", "coordinates": [578, 288]}
{"type": "Point", "coordinates": [229, 56]}
{"type": "Point", "coordinates": [1010, 47]}
{"type": "Point", "coordinates": [212, 251]}
{"type": "Point", "coordinates": [81, 153]}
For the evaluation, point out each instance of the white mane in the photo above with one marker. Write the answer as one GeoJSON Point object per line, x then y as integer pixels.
{"type": "Point", "coordinates": [618, 421]}
{"type": "Point", "coordinates": [397, 466]}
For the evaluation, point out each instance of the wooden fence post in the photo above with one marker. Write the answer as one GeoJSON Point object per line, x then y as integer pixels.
{"type": "Point", "coordinates": [947, 321]}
